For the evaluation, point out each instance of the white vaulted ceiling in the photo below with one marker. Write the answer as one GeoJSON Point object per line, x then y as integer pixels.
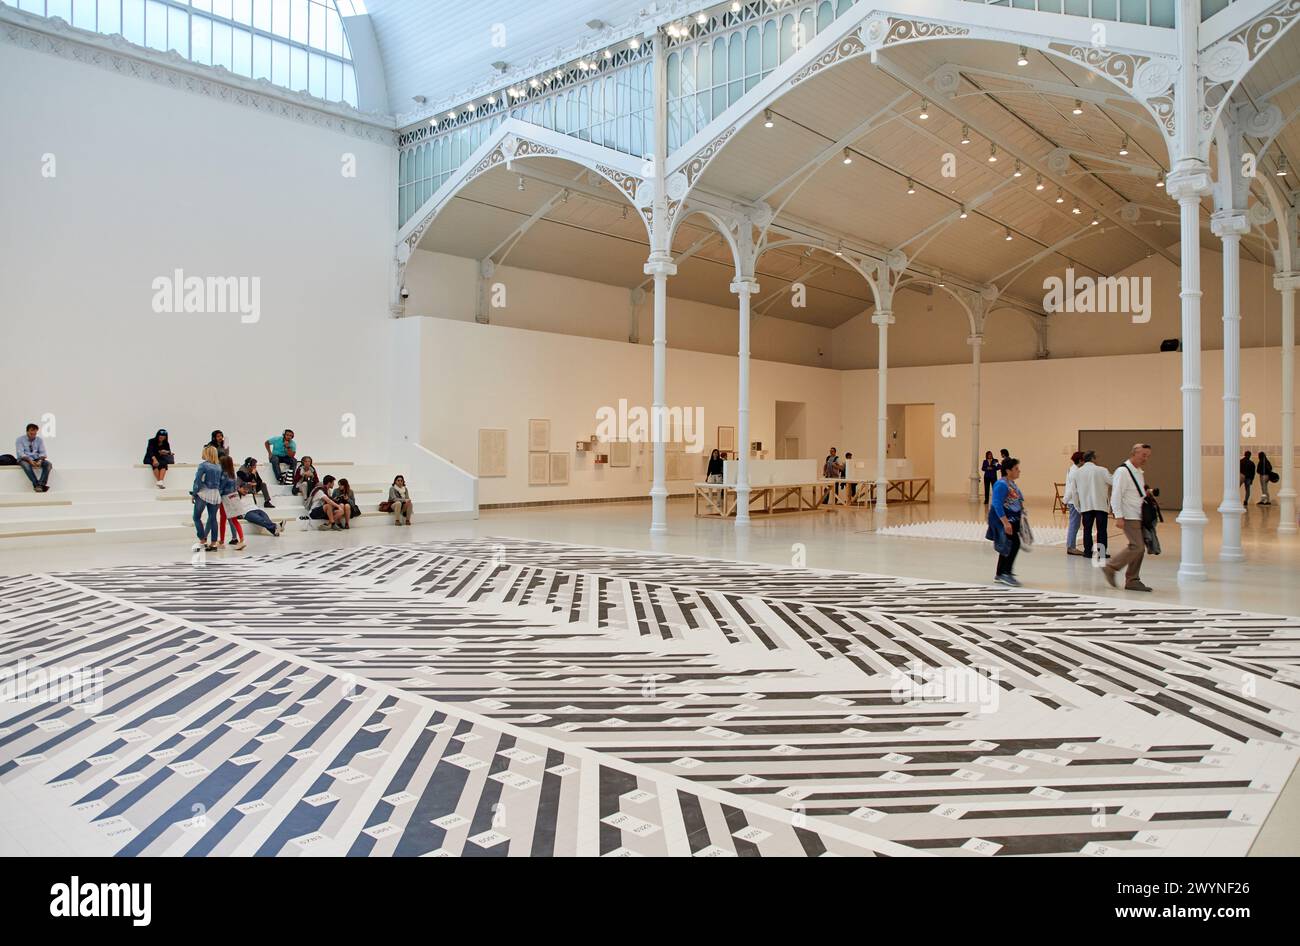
{"type": "Point", "coordinates": [439, 48]}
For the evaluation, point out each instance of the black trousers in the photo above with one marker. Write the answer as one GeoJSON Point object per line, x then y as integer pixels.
{"type": "Point", "coordinates": [988, 486]}
{"type": "Point", "coordinates": [1007, 561]}
{"type": "Point", "coordinates": [1100, 517]}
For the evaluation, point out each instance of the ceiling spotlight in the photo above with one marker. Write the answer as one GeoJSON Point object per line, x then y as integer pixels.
{"type": "Point", "coordinates": [451, 114]}
{"type": "Point", "coordinates": [433, 121]}
{"type": "Point", "coordinates": [925, 110]}
{"type": "Point", "coordinates": [1016, 172]}
{"type": "Point", "coordinates": [1060, 196]}
{"type": "Point", "coordinates": [940, 282]}
{"type": "Point", "coordinates": [1075, 210]}
{"type": "Point", "coordinates": [671, 29]}
{"type": "Point", "coordinates": [965, 134]}
{"type": "Point", "coordinates": [609, 54]}
{"type": "Point", "coordinates": [911, 188]}
{"type": "Point", "coordinates": [534, 82]}
{"type": "Point", "coordinates": [1095, 221]}
{"type": "Point", "coordinates": [1078, 107]}
{"type": "Point", "coordinates": [839, 249]}
{"type": "Point", "coordinates": [963, 215]}
{"type": "Point", "coordinates": [1123, 148]}
{"type": "Point", "coordinates": [701, 18]}
{"type": "Point", "coordinates": [564, 196]}
{"type": "Point", "coordinates": [559, 74]}
{"type": "Point", "coordinates": [1023, 59]}
{"type": "Point", "coordinates": [767, 118]}
{"type": "Point", "coordinates": [1160, 179]}
{"type": "Point", "coordinates": [469, 108]}
{"type": "Point", "coordinates": [993, 154]}
{"type": "Point", "coordinates": [634, 42]}
{"type": "Point", "coordinates": [735, 6]}
{"type": "Point", "coordinates": [1008, 236]}
{"type": "Point", "coordinates": [1281, 166]}
{"type": "Point", "coordinates": [521, 183]}
{"type": "Point", "coordinates": [848, 158]}
{"type": "Point", "coordinates": [1039, 186]}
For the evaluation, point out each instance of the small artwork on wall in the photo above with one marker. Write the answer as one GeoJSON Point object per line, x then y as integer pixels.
{"type": "Point", "coordinates": [726, 439]}
{"type": "Point", "coordinates": [539, 435]}
{"type": "Point", "coordinates": [539, 469]}
{"type": "Point", "coordinates": [620, 453]}
{"type": "Point", "coordinates": [559, 469]}
{"type": "Point", "coordinates": [491, 452]}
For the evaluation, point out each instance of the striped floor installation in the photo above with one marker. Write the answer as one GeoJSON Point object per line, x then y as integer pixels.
{"type": "Point", "coordinates": [510, 697]}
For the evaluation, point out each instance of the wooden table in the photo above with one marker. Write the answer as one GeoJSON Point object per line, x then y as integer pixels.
{"type": "Point", "coordinates": [719, 500]}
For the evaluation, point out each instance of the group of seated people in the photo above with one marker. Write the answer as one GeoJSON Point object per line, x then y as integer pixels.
{"type": "Point", "coordinates": [223, 493]}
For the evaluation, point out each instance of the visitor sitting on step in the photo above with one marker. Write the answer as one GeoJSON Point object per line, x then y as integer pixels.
{"type": "Point", "coordinates": [282, 451]}
{"type": "Point", "coordinates": [399, 501]}
{"type": "Point", "coordinates": [252, 480]}
{"type": "Point", "coordinates": [305, 478]}
{"type": "Point", "coordinates": [30, 451]}
{"type": "Point", "coordinates": [343, 494]}
{"type": "Point", "coordinates": [218, 440]}
{"type": "Point", "coordinates": [158, 456]}
{"type": "Point", "coordinates": [320, 506]}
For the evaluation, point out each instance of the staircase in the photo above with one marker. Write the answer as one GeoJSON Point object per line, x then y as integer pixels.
{"type": "Point", "coordinates": [122, 504]}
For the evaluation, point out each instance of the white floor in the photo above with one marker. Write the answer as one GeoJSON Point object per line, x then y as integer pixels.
{"type": "Point", "coordinates": [833, 539]}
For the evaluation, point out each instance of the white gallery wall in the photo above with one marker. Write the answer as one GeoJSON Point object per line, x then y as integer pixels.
{"type": "Point", "coordinates": [499, 377]}
{"type": "Point", "coordinates": [150, 179]}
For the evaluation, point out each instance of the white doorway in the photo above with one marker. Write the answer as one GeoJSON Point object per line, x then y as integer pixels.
{"type": "Point", "coordinates": [791, 421]}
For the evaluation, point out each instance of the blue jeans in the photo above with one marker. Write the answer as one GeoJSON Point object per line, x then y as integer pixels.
{"type": "Point", "coordinates": [29, 469]}
{"type": "Point", "coordinates": [259, 518]}
{"type": "Point", "coordinates": [211, 527]}
{"type": "Point", "coordinates": [278, 461]}
{"type": "Point", "coordinates": [1072, 530]}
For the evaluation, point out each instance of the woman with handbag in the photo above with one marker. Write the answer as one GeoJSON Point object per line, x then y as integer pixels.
{"type": "Point", "coordinates": [1005, 515]}
{"type": "Point", "coordinates": [399, 501]}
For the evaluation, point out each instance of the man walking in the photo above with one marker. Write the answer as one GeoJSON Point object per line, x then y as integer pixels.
{"type": "Point", "coordinates": [1247, 475]}
{"type": "Point", "coordinates": [1128, 489]}
{"type": "Point", "coordinates": [1091, 486]}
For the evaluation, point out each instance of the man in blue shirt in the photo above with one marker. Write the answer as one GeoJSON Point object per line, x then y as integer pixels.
{"type": "Point", "coordinates": [282, 450]}
{"type": "Point", "coordinates": [30, 451]}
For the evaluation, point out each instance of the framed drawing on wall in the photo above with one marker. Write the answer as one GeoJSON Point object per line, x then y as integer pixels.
{"type": "Point", "coordinates": [726, 439]}
{"type": "Point", "coordinates": [620, 453]}
{"type": "Point", "coordinates": [539, 436]}
{"type": "Point", "coordinates": [491, 452]}
{"type": "Point", "coordinates": [539, 469]}
{"type": "Point", "coordinates": [559, 469]}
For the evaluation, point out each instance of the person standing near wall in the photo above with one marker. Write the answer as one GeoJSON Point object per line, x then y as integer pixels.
{"type": "Point", "coordinates": [206, 493]}
{"type": "Point", "coordinates": [1006, 456]}
{"type": "Point", "coordinates": [1092, 487]}
{"type": "Point", "coordinates": [1247, 474]}
{"type": "Point", "coordinates": [1265, 470]}
{"type": "Point", "coordinates": [1127, 493]}
{"type": "Point", "coordinates": [990, 468]}
{"type": "Point", "coordinates": [1071, 500]}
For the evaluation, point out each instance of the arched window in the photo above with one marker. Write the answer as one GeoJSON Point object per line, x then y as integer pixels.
{"type": "Point", "coordinates": [297, 44]}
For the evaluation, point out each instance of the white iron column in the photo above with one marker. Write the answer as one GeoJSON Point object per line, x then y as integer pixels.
{"type": "Point", "coordinates": [883, 319]}
{"type": "Point", "coordinates": [744, 289]}
{"type": "Point", "coordinates": [1287, 284]}
{"type": "Point", "coordinates": [1188, 185]}
{"type": "Point", "coordinates": [976, 343]}
{"type": "Point", "coordinates": [660, 267]}
{"type": "Point", "coordinates": [1229, 226]}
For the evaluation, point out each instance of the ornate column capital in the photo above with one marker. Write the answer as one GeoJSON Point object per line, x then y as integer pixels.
{"type": "Point", "coordinates": [883, 317]}
{"type": "Point", "coordinates": [1188, 183]}
{"type": "Point", "coordinates": [747, 285]}
{"type": "Point", "coordinates": [1229, 223]}
{"type": "Point", "coordinates": [1284, 281]}
{"type": "Point", "coordinates": [660, 264]}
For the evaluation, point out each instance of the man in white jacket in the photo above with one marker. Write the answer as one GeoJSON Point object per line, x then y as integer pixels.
{"type": "Point", "coordinates": [1128, 489]}
{"type": "Point", "coordinates": [1071, 500]}
{"type": "Point", "coordinates": [1092, 488]}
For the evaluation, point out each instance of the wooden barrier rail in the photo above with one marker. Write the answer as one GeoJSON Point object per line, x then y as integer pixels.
{"type": "Point", "coordinates": [719, 500]}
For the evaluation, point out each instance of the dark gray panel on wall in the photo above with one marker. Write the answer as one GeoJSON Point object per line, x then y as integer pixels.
{"type": "Point", "coordinates": [1164, 469]}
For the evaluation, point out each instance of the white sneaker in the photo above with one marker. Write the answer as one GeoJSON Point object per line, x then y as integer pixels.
{"type": "Point", "coordinates": [160, 486]}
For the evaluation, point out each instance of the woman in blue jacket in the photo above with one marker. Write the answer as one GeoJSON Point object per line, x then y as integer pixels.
{"type": "Point", "coordinates": [206, 494]}
{"type": "Point", "coordinates": [1004, 521]}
